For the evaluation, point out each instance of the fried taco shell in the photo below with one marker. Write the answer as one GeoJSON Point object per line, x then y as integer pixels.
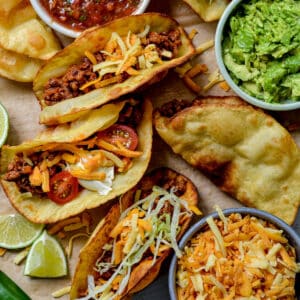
{"type": "Point", "coordinates": [22, 32]}
{"type": "Point", "coordinates": [241, 149]}
{"type": "Point", "coordinates": [146, 268]}
{"type": "Point", "coordinates": [208, 10]}
{"type": "Point", "coordinates": [69, 147]}
{"type": "Point", "coordinates": [25, 41]}
{"type": "Point", "coordinates": [17, 66]}
{"type": "Point", "coordinates": [107, 62]}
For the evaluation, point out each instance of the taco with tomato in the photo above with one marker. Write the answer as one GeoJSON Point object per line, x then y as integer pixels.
{"type": "Point", "coordinates": [80, 165]}
{"type": "Point", "coordinates": [126, 250]}
{"type": "Point", "coordinates": [107, 62]}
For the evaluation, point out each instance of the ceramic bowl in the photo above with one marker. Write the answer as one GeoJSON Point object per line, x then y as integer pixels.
{"type": "Point", "coordinates": [289, 233]}
{"type": "Point", "coordinates": [47, 18]}
{"type": "Point", "coordinates": [285, 105]}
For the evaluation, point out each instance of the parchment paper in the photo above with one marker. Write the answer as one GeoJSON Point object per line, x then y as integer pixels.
{"type": "Point", "coordinates": [24, 109]}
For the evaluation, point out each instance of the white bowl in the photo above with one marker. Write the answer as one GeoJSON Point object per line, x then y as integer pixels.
{"type": "Point", "coordinates": [286, 105]}
{"type": "Point", "coordinates": [44, 15]}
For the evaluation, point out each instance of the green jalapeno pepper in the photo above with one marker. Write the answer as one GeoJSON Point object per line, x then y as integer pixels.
{"type": "Point", "coordinates": [9, 290]}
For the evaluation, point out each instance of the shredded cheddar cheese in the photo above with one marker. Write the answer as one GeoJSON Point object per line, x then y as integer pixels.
{"type": "Point", "coordinates": [61, 292]}
{"type": "Point", "coordinates": [120, 150]}
{"type": "Point", "coordinates": [193, 33]}
{"type": "Point", "coordinates": [241, 258]}
{"type": "Point", "coordinates": [21, 256]}
{"type": "Point", "coordinates": [197, 69]}
{"type": "Point", "coordinates": [205, 46]}
{"type": "Point", "coordinates": [224, 86]}
{"type": "Point", "coordinates": [214, 78]}
{"type": "Point", "coordinates": [2, 251]}
{"type": "Point", "coordinates": [191, 84]}
{"type": "Point", "coordinates": [124, 54]}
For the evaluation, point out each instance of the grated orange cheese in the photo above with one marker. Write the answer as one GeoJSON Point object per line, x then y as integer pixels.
{"type": "Point", "coordinates": [124, 54]}
{"type": "Point", "coordinates": [2, 251]}
{"type": "Point", "coordinates": [56, 227]}
{"type": "Point", "coordinates": [251, 269]}
{"type": "Point", "coordinates": [193, 33]}
{"type": "Point", "coordinates": [35, 177]}
{"type": "Point", "coordinates": [120, 150]}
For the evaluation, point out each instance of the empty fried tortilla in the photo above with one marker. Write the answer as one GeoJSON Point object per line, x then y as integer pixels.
{"type": "Point", "coordinates": [241, 149]}
{"type": "Point", "coordinates": [208, 10]}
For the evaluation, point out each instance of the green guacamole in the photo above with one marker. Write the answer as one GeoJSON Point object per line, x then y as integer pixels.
{"type": "Point", "coordinates": [261, 49]}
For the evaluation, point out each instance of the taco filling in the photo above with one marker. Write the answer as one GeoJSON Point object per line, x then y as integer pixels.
{"type": "Point", "coordinates": [121, 58]}
{"type": "Point", "coordinates": [61, 170]}
{"type": "Point", "coordinates": [145, 232]}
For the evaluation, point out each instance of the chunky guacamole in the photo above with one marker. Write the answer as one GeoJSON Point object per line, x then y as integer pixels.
{"type": "Point", "coordinates": [261, 49]}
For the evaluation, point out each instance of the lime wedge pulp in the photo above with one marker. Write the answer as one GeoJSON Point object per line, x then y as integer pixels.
{"type": "Point", "coordinates": [4, 125]}
{"type": "Point", "coordinates": [17, 232]}
{"type": "Point", "coordinates": [46, 258]}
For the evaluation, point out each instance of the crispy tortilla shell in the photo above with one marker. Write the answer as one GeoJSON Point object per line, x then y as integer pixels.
{"type": "Point", "coordinates": [17, 66]}
{"type": "Point", "coordinates": [208, 10]}
{"type": "Point", "coordinates": [44, 210]}
{"type": "Point", "coordinates": [94, 40]}
{"type": "Point", "coordinates": [244, 151]}
{"type": "Point", "coordinates": [21, 31]}
{"type": "Point", "coordinates": [144, 273]}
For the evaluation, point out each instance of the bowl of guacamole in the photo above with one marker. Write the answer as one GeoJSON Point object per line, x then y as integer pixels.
{"type": "Point", "coordinates": [258, 51]}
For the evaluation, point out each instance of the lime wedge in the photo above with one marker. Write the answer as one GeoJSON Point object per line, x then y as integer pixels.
{"type": "Point", "coordinates": [46, 258]}
{"type": "Point", "coordinates": [17, 232]}
{"type": "Point", "coordinates": [4, 125]}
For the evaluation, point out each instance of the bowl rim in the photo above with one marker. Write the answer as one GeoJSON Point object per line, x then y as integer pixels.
{"type": "Point", "coordinates": [219, 58]}
{"type": "Point", "coordinates": [291, 234]}
{"type": "Point", "coordinates": [5, 116]}
{"type": "Point", "coordinates": [44, 15]}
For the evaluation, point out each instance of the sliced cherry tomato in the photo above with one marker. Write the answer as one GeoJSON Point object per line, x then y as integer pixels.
{"type": "Point", "coordinates": [120, 133]}
{"type": "Point", "coordinates": [63, 187]}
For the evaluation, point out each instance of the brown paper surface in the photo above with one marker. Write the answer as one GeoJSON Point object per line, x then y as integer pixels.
{"type": "Point", "coordinates": [23, 110]}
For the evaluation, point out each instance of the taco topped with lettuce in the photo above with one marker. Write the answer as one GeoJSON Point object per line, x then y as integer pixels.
{"type": "Point", "coordinates": [81, 165]}
{"type": "Point", "coordinates": [107, 62]}
{"type": "Point", "coordinates": [127, 248]}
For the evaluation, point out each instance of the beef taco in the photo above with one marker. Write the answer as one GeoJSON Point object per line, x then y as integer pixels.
{"type": "Point", "coordinates": [245, 152]}
{"type": "Point", "coordinates": [126, 250]}
{"type": "Point", "coordinates": [107, 62]}
{"type": "Point", "coordinates": [81, 165]}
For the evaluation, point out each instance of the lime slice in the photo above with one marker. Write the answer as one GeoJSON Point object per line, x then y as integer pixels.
{"type": "Point", "coordinates": [17, 232]}
{"type": "Point", "coordinates": [46, 258]}
{"type": "Point", "coordinates": [4, 125]}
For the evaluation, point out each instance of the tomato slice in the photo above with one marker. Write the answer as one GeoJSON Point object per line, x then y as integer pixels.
{"type": "Point", "coordinates": [63, 187]}
{"type": "Point", "coordinates": [120, 133]}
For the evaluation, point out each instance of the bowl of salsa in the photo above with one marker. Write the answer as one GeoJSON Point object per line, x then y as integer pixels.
{"type": "Point", "coordinates": [71, 17]}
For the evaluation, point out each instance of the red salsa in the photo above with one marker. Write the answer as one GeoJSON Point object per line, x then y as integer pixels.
{"type": "Point", "coordinates": [82, 14]}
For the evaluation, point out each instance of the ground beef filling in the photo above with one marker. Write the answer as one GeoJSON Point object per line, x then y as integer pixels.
{"type": "Point", "coordinates": [19, 170]}
{"type": "Point", "coordinates": [169, 109]}
{"type": "Point", "coordinates": [68, 86]}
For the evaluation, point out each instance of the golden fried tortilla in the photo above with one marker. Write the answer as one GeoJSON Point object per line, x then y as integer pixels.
{"type": "Point", "coordinates": [208, 10]}
{"type": "Point", "coordinates": [25, 41]}
{"type": "Point", "coordinates": [43, 210]}
{"type": "Point", "coordinates": [23, 32]}
{"type": "Point", "coordinates": [95, 40]}
{"type": "Point", "coordinates": [144, 272]}
{"type": "Point", "coordinates": [17, 66]}
{"type": "Point", "coordinates": [244, 151]}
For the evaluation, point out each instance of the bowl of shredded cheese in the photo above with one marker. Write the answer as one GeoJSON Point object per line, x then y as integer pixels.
{"type": "Point", "coordinates": [237, 253]}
